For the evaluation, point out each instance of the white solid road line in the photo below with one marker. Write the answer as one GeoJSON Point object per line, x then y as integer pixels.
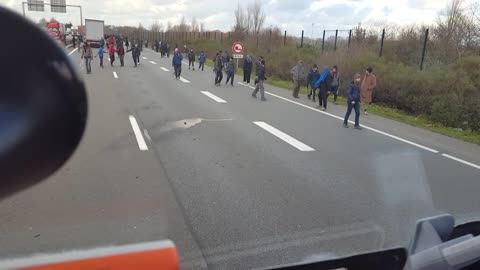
{"type": "Point", "coordinates": [184, 80]}
{"type": "Point", "coordinates": [68, 46]}
{"type": "Point", "coordinates": [285, 137]}
{"type": "Point", "coordinates": [70, 53]}
{"type": "Point", "coordinates": [212, 96]}
{"type": "Point", "coordinates": [164, 69]}
{"type": "Point", "coordinates": [144, 57]}
{"type": "Point", "coordinates": [341, 118]}
{"type": "Point", "coordinates": [153, 63]}
{"type": "Point", "coordinates": [462, 161]}
{"type": "Point", "coordinates": [115, 75]}
{"type": "Point", "coordinates": [138, 134]}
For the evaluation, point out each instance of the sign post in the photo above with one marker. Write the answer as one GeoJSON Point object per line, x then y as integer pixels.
{"type": "Point", "coordinates": [237, 50]}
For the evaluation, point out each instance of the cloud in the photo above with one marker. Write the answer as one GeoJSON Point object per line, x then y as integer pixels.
{"type": "Point", "coordinates": [290, 15]}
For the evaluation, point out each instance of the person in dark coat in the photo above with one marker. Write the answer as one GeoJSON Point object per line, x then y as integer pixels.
{"type": "Point", "coordinates": [260, 72]}
{"type": "Point", "coordinates": [126, 42]}
{"type": "Point", "coordinates": [247, 69]}
{"type": "Point", "coordinates": [353, 101]}
{"type": "Point", "coordinates": [167, 48]}
{"type": "Point", "coordinates": [323, 84]}
{"type": "Point", "coordinates": [312, 78]}
{"type": "Point", "coordinates": [135, 53]}
{"type": "Point", "coordinates": [191, 59]}
{"type": "Point", "coordinates": [218, 70]}
{"type": "Point", "coordinates": [230, 70]}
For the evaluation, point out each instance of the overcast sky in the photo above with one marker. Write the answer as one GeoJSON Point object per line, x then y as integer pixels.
{"type": "Point", "coordinates": [290, 15]}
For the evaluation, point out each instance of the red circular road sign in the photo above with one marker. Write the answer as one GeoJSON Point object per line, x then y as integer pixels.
{"type": "Point", "coordinates": [237, 48]}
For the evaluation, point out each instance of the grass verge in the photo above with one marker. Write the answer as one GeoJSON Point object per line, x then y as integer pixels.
{"type": "Point", "coordinates": [398, 115]}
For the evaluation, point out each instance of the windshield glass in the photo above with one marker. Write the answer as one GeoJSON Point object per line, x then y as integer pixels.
{"type": "Point", "coordinates": [260, 133]}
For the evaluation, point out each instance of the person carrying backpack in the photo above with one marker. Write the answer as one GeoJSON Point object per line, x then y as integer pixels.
{"type": "Point", "coordinates": [323, 84]}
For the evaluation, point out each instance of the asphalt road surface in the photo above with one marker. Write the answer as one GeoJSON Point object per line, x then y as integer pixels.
{"type": "Point", "coordinates": [235, 182]}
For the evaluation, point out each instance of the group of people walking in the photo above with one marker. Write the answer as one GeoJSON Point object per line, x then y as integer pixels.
{"type": "Point", "coordinates": [162, 47]}
{"type": "Point", "coordinates": [115, 47]}
{"type": "Point", "coordinates": [190, 55]}
{"type": "Point", "coordinates": [328, 82]}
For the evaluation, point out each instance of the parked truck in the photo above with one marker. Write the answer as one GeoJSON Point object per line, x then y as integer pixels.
{"type": "Point", "coordinates": [94, 32]}
{"type": "Point", "coordinates": [57, 31]}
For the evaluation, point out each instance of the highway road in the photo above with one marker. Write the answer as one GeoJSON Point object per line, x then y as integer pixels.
{"type": "Point", "coordinates": [235, 182]}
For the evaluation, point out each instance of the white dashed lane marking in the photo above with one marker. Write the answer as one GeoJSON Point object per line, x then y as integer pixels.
{"type": "Point", "coordinates": [138, 134]}
{"type": "Point", "coordinates": [285, 137]}
{"type": "Point", "coordinates": [212, 96]}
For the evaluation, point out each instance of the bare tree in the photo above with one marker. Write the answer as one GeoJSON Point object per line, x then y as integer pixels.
{"type": "Point", "coordinates": [194, 24]}
{"type": "Point", "coordinates": [140, 26]}
{"type": "Point", "coordinates": [240, 20]}
{"type": "Point", "coordinates": [169, 26]}
{"type": "Point", "coordinates": [156, 26]}
{"type": "Point", "coordinates": [257, 15]}
{"type": "Point", "coordinates": [453, 31]}
{"type": "Point", "coordinates": [182, 27]}
{"type": "Point", "coordinates": [202, 27]}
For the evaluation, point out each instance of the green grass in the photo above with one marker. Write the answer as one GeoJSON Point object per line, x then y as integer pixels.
{"type": "Point", "coordinates": [398, 115]}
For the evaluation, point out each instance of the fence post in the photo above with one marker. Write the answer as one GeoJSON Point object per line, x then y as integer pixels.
{"type": "Point", "coordinates": [301, 42]}
{"type": "Point", "coordinates": [323, 42]}
{"type": "Point", "coordinates": [215, 35]}
{"type": "Point", "coordinates": [336, 37]}
{"type": "Point", "coordinates": [257, 40]}
{"type": "Point", "coordinates": [381, 43]}
{"type": "Point", "coordinates": [349, 38]}
{"type": "Point", "coordinates": [424, 49]}
{"type": "Point", "coordinates": [285, 38]}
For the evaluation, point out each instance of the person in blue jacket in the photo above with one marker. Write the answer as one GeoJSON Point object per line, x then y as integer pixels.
{"type": "Point", "coordinates": [201, 61]}
{"type": "Point", "coordinates": [100, 55]}
{"type": "Point", "coordinates": [177, 63]}
{"type": "Point", "coordinates": [312, 78]}
{"type": "Point", "coordinates": [353, 101]}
